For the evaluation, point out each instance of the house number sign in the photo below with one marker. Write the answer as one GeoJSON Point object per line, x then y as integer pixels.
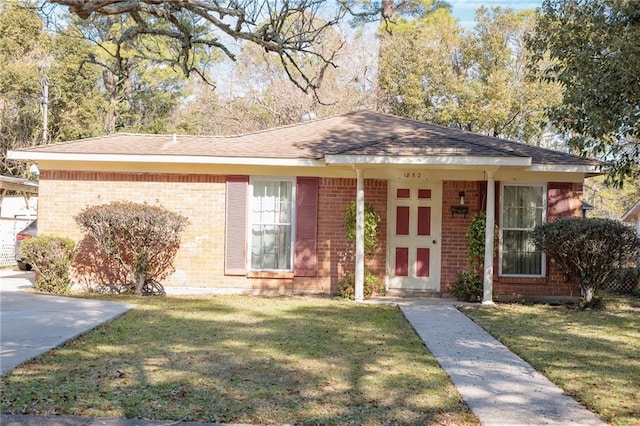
{"type": "Point", "coordinates": [413, 175]}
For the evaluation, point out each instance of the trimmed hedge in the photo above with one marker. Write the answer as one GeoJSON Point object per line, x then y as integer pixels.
{"type": "Point", "coordinates": [51, 258]}
{"type": "Point", "coordinates": [589, 250]}
{"type": "Point", "coordinates": [141, 240]}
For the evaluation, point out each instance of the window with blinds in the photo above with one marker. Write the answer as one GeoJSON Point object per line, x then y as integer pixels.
{"type": "Point", "coordinates": [523, 208]}
{"type": "Point", "coordinates": [271, 224]}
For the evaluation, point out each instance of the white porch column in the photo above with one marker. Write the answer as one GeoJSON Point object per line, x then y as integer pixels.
{"type": "Point", "coordinates": [359, 275]}
{"type": "Point", "coordinates": [487, 292]}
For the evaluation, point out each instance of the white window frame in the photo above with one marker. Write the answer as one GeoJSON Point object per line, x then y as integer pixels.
{"type": "Point", "coordinates": [250, 223]}
{"type": "Point", "coordinates": [543, 266]}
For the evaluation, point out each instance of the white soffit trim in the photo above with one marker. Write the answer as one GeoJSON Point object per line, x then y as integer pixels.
{"type": "Point", "coordinates": [429, 160]}
{"type": "Point", "coordinates": [565, 168]}
{"type": "Point", "coordinates": [182, 159]}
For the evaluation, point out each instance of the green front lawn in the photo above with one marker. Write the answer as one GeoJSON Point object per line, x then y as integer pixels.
{"type": "Point", "coordinates": [244, 360]}
{"type": "Point", "coordinates": [592, 355]}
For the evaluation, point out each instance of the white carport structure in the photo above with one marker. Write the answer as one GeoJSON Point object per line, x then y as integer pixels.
{"type": "Point", "coordinates": [22, 186]}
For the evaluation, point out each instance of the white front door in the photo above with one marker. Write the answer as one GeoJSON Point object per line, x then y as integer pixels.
{"type": "Point", "coordinates": [413, 235]}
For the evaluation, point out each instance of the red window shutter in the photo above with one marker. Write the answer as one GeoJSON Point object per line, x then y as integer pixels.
{"type": "Point", "coordinates": [306, 227]}
{"type": "Point", "coordinates": [558, 204]}
{"type": "Point", "coordinates": [235, 252]}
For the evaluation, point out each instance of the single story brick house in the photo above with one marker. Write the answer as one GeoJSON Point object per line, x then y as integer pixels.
{"type": "Point", "coordinates": [266, 209]}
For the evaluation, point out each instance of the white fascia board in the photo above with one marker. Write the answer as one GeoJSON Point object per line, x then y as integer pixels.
{"type": "Point", "coordinates": [429, 160]}
{"type": "Point", "coordinates": [182, 159]}
{"type": "Point", "coordinates": [565, 168]}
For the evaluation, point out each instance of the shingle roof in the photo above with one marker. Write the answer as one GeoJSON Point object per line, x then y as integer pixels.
{"type": "Point", "coordinates": [356, 133]}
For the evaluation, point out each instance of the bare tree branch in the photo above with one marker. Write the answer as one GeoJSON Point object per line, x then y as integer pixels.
{"type": "Point", "coordinates": [291, 29]}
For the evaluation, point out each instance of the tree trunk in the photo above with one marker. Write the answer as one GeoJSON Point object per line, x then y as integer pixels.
{"type": "Point", "coordinates": [140, 283]}
{"type": "Point", "coordinates": [587, 293]}
{"type": "Point", "coordinates": [110, 84]}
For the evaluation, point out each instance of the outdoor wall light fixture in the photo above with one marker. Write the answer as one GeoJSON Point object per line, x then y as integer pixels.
{"type": "Point", "coordinates": [461, 208]}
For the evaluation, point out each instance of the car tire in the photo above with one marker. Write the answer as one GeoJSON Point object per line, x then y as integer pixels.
{"type": "Point", "coordinates": [23, 266]}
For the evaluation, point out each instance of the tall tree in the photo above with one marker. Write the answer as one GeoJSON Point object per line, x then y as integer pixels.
{"type": "Point", "coordinates": [76, 104]}
{"type": "Point", "coordinates": [431, 69]}
{"type": "Point", "coordinates": [608, 201]}
{"type": "Point", "coordinates": [594, 52]}
{"type": "Point", "coordinates": [30, 59]}
{"type": "Point", "coordinates": [23, 57]}
{"type": "Point", "coordinates": [139, 91]}
{"type": "Point", "coordinates": [257, 93]}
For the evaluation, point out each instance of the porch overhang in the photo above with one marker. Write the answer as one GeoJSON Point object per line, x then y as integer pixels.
{"type": "Point", "coordinates": [589, 170]}
{"type": "Point", "coordinates": [426, 160]}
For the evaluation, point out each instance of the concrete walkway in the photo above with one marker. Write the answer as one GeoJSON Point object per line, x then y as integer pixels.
{"type": "Point", "coordinates": [31, 324]}
{"type": "Point", "coordinates": [498, 386]}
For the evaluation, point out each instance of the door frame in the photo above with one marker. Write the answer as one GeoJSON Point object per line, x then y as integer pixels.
{"type": "Point", "coordinates": [436, 229]}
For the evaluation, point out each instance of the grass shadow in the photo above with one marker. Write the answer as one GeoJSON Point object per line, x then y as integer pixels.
{"type": "Point", "coordinates": [243, 360]}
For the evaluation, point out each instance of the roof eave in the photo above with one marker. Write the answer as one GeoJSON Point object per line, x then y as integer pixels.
{"type": "Point", "coordinates": [587, 169]}
{"type": "Point", "coordinates": [341, 159]}
{"type": "Point", "coordinates": [182, 159]}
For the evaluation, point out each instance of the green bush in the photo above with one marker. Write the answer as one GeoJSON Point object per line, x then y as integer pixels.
{"type": "Point", "coordinates": [469, 283]}
{"type": "Point", "coordinates": [372, 283]}
{"type": "Point", "coordinates": [371, 220]}
{"type": "Point", "coordinates": [51, 258]}
{"type": "Point", "coordinates": [346, 285]}
{"type": "Point", "coordinates": [589, 250]}
{"type": "Point", "coordinates": [476, 241]}
{"type": "Point", "coordinates": [140, 239]}
{"type": "Point", "coordinates": [468, 287]}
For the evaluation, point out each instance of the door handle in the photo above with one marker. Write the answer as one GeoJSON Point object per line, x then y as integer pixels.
{"type": "Point", "coordinates": [434, 242]}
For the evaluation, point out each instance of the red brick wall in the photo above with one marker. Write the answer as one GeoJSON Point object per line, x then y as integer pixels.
{"type": "Point", "coordinates": [199, 197]}
{"type": "Point", "coordinates": [454, 229]}
{"type": "Point", "coordinates": [454, 245]}
{"type": "Point", "coordinates": [334, 256]}
{"type": "Point", "coordinates": [200, 260]}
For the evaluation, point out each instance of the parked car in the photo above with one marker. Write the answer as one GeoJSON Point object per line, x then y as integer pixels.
{"type": "Point", "coordinates": [29, 232]}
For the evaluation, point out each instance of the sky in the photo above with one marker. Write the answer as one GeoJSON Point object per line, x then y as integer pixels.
{"type": "Point", "coordinates": [464, 10]}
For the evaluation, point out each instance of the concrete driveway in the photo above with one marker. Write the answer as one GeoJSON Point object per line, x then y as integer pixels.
{"type": "Point", "coordinates": [31, 324]}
